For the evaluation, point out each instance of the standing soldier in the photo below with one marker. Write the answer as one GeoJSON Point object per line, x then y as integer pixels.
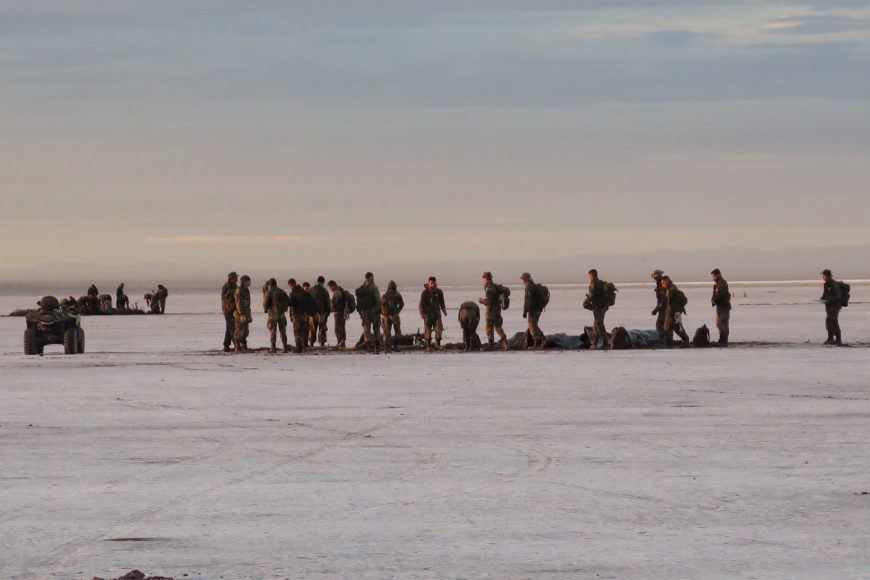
{"type": "Point", "coordinates": [368, 302]}
{"type": "Point", "coordinates": [243, 314]}
{"type": "Point", "coordinates": [722, 302]}
{"type": "Point", "coordinates": [392, 304]}
{"type": "Point", "coordinates": [311, 309]}
{"type": "Point", "coordinates": [431, 307]}
{"type": "Point", "coordinates": [835, 297]}
{"type": "Point", "coordinates": [298, 304]}
{"type": "Point", "coordinates": [322, 304]}
{"type": "Point", "coordinates": [275, 304]}
{"type": "Point", "coordinates": [469, 319]}
{"type": "Point", "coordinates": [536, 299]}
{"type": "Point", "coordinates": [496, 297]}
{"type": "Point", "coordinates": [675, 308]}
{"type": "Point", "coordinates": [340, 310]}
{"type": "Point", "coordinates": [599, 299]}
{"type": "Point", "coordinates": [160, 297]}
{"type": "Point", "coordinates": [659, 310]}
{"type": "Point", "coordinates": [122, 302]}
{"type": "Point", "coordinates": [228, 306]}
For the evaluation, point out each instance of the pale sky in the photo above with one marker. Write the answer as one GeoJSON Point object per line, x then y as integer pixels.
{"type": "Point", "coordinates": [336, 132]}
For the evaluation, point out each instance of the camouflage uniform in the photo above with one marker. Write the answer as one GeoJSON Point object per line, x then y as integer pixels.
{"type": "Point", "coordinates": [661, 307]}
{"type": "Point", "coordinates": [722, 302]}
{"type": "Point", "coordinates": [370, 314]}
{"type": "Point", "coordinates": [469, 319]}
{"type": "Point", "coordinates": [121, 300]}
{"type": "Point", "coordinates": [277, 319]}
{"type": "Point", "coordinates": [317, 324]}
{"type": "Point", "coordinates": [431, 307]}
{"type": "Point", "coordinates": [339, 313]}
{"type": "Point", "coordinates": [532, 313]}
{"type": "Point", "coordinates": [494, 320]}
{"type": "Point", "coordinates": [597, 301]}
{"type": "Point", "coordinates": [299, 308]}
{"type": "Point", "coordinates": [833, 299]}
{"type": "Point", "coordinates": [243, 317]}
{"type": "Point", "coordinates": [392, 305]}
{"type": "Point", "coordinates": [228, 307]}
{"type": "Point", "coordinates": [160, 297]}
{"type": "Point", "coordinates": [674, 312]}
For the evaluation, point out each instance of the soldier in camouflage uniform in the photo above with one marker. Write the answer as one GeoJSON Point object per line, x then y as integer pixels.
{"type": "Point", "coordinates": [339, 305]}
{"type": "Point", "coordinates": [122, 302]}
{"type": "Point", "coordinates": [721, 301]}
{"type": "Point", "coordinates": [368, 299]}
{"type": "Point", "coordinates": [275, 302]}
{"type": "Point", "coordinates": [469, 320]}
{"type": "Point", "coordinates": [431, 308]}
{"type": "Point", "coordinates": [596, 301]}
{"type": "Point", "coordinates": [242, 314]}
{"type": "Point", "coordinates": [317, 324]}
{"type": "Point", "coordinates": [532, 310]}
{"type": "Point", "coordinates": [299, 314]}
{"type": "Point", "coordinates": [659, 310]}
{"type": "Point", "coordinates": [228, 307]}
{"type": "Point", "coordinates": [832, 297]}
{"type": "Point", "coordinates": [392, 304]}
{"type": "Point", "coordinates": [675, 308]}
{"type": "Point", "coordinates": [160, 297]}
{"type": "Point", "coordinates": [493, 302]}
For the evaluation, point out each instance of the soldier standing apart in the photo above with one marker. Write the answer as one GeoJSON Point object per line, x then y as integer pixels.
{"type": "Point", "coordinates": [495, 297]}
{"type": "Point", "coordinates": [243, 314]}
{"type": "Point", "coordinates": [598, 300]}
{"type": "Point", "coordinates": [431, 308]}
{"type": "Point", "coordinates": [275, 304]}
{"type": "Point", "coordinates": [675, 308]}
{"type": "Point", "coordinates": [722, 302]}
{"type": "Point", "coordinates": [392, 304]}
{"type": "Point", "coordinates": [536, 299]}
{"type": "Point", "coordinates": [340, 308]}
{"type": "Point", "coordinates": [368, 301]}
{"type": "Point", "coordinates": [121, 300]}
{"type": "Point", "coordinates": [469, 319]}
{"type": "Point", "coordinates": [228, 306]}
{"type": "Point", "coordinates": [659, 310]}
{"type": "Point", "coordinates": [323, 306]}
{"type": "Point", "coordinates": [160, 296]}
{"type": "Point", "coordinates": [298, 305]}
{"type": "Point", "coordinates": [834, 296]}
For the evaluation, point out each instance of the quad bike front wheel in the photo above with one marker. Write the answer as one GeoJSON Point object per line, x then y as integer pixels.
{"type": "Point", "coordinates": [31, 345]}
{"type": "Point", "coordinates": [70, 341]}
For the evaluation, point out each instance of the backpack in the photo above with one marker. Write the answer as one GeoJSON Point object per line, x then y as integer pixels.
{"type": "Point", "coordinates": [845, 296]}
{"type": "Point", "coordinates": [679, 299]}
{"type": "Point", "coordinates": [310, 305]}
{"type": "Point", "coordinates": [610, 291]}
{"type": "Point", "coordinates": [282, 299]}
{"type": "Point", "coordinates": [542, 296]}
{"type": "Point", "coordinates": [364, 301]}
{"type": "Point", "coordinates": [702, 337]}
{"type": "Point", "coordinates": [504, 296]}
{"type": "Point", "coordinates": [350, 302]}
{"type": "Point", "coordinates": [620, 339]}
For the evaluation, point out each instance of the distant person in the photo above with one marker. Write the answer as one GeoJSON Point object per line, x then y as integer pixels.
{"type": "Point", "coordinates": [599, 298]}
{"type": "Point", "coordinates": [341, 308]}
{"type": "Point", "coordinates": [496, 298]}
{"type": "Point", "coordinates": [122, 302]}
{"type": "Point", "coordinates": [299, 307]}
{"type": "Point", "coordinates": [93, 292]}
{"type": "Point", "coordinates": [318, 324]}
{"type": "Point", "coordinates": [675, 309]}
{"type": "Point", "coordinates": [537, 296]}
{"type": "Point", "coordinates": [392, 305]}
{"type": "Point", "coordinates": [160, 298]}
{"type": "Point", "coordinates": [275, 304]}
{"type": "Point", "coordinates": [228, 307]}
{"type": "Point", "coordinates": [368, 303]}
{"type": "Point", "coordinates": [469, 320]}
{"type": "Point", "coordinates": [661, 307]}
{"type": "Point", "coordinates": [722, 303]}
{"type": "Point", "coordinates": [431, 308]}
{"type": "Point", "coordinates": [242, 314]}
{"type": "Point", "coordinates": [835, 296]}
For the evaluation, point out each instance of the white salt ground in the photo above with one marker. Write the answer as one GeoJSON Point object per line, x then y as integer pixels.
{"type": "Point", "coordinates": [749, 462]}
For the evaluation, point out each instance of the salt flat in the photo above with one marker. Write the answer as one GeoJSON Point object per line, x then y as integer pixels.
{"type": "Point", "coordinates": [747, 462]}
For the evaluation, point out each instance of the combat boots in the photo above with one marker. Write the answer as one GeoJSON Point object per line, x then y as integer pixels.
{"type": "Point", "coordinates": [273, 349]}
{"type": "Point", "coordinates": [504, 345]}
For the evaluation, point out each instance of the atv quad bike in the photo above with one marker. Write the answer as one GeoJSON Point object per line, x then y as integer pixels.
{"type": "Point", "coordinates": [52, 324]}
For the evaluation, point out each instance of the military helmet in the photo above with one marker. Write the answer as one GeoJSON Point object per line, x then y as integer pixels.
{"type": "Point", "coordinates": [656, 274]}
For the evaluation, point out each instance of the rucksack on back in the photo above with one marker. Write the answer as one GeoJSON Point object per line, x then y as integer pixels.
{"type": "Point", "coordinates": [543, 296]}
{"type": "Point", "coordinates": [702, 337]}
{"type": "Point", "coordinates": [504, 297]}
{"type": "Point", "coordinates": [282, 299]}
{"type": "Point", "coordinates": [364, 299]}
{"type": "Point", "coordinates": [350, 301]}
{"type": "Point", "coordinates": [845, 293]}
{"type": "Point", "coordinates": [610, 291]}
{"type": "Point", "coordinates": [679, 300]}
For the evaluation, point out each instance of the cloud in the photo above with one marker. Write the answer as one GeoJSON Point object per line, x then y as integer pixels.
{"type": "Point", "coordinates": [223, 239]}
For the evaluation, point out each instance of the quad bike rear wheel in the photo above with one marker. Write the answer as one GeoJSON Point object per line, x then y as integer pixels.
{"type": "Point", "coordinates": [70, 341]}
{"type": "Point", "coordinates": [31, 345]}
{"type": "Point", "coordinates": [80, 345]}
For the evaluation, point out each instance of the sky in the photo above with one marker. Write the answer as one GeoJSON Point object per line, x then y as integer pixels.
{"type": "Point", "coordinates": [326, 133]}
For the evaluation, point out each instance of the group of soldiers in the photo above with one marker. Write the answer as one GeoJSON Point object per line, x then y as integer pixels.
{"type": "Point", "coordinates": [310, 307]}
